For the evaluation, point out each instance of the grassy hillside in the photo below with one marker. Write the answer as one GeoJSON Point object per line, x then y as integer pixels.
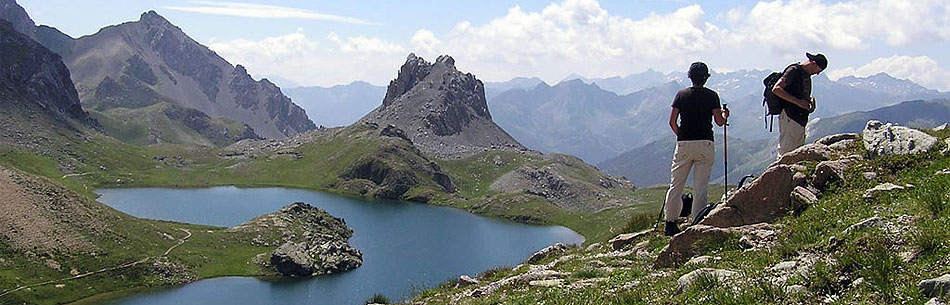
{"type": "Point", "coordinates": [166, 123]}
{"type": "Point", "coordinates": [817, 256]}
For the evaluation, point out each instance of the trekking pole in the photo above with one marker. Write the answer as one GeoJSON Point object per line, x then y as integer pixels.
{"type": "Point", "coordinates": [725, 155]}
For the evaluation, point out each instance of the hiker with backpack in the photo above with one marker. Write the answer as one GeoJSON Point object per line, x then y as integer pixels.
{"type": "Point", "coordinates": [695, 107]}
{"type": "Point", "coordinates": [788, 94]}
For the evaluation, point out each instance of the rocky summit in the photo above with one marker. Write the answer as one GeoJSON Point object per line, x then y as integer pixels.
{"type": "Point", "coordinates": [309, 241]}
{"type": "Point", "coordinates": [144, 62]}
{"type": "Point", "coordinates": [441, 110]}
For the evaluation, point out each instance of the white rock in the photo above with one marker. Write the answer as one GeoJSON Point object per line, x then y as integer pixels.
{"type": "Point", "coordinates": [887, 139]}
{"type": "Point", "coordinates": [688, 279]}
{"type": "Point", "coordinates": [883, 187]}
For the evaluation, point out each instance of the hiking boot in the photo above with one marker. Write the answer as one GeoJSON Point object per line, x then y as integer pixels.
{"type": "Point", "coordinates": [671, 228]}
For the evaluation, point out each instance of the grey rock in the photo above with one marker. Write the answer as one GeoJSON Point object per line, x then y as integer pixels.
{"type": "Point", "coordinates": [835, 138]}
{"type": "Point", "coordinates": [841, 145]}
{"type": "Point", "coordinates": [804, 196]}
{"type": "Point", "coordinates": [555, 249]}
{"type": "Point", "coordinates": [546, 283]}
{"type": "Point", "coordinates": [808, 152]}
{"type": "Point", "coordinates": [830, 171]}
{"type": "Point", "coordinates": [784, 266]}
{"type": "Point", "coordinates": [687, 280]}
{"type": "Point", "coordinates": [881, 188]}
{"type": "Point", "coordinates": [622, 240]}
{"type": "Point", "coordinates": [936, 287]}
{"type": "Point", "coordinates": [887, 139]}
{"type": "Point", "coordinates": [796, 289]}
{"type": "Point", "coordinates": [465, 280]}
{"type": "Point", "coordinates": [935, 301]}
{"type": "Point", "coordinates": [864, 224]}
{"type": "Point", "coordinates": [699, 260]}
{"type": "Point", "coordinates": [869, 175]}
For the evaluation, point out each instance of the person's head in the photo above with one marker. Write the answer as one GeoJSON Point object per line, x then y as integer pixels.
{"type": "Point", "coordinates": [816, 63]}
{"type": "Point", "coordinates": [698, 73]}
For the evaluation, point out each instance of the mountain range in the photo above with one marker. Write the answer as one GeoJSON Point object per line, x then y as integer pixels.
{"type": "Point", "coordinates": [339, 105]}
{"type": "Point", "coordinates": [150, 74]}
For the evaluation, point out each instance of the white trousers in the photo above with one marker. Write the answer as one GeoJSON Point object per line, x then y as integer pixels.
{"type": "Point", "coordinates": [698, 156]}
{"type": "Point", "coordinates": [790, 134]}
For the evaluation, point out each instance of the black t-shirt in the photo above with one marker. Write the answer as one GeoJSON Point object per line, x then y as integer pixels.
{"type": "Point", "coordinates": [696, 107]}
{"type": "Point", "coordinates": [794, 79]}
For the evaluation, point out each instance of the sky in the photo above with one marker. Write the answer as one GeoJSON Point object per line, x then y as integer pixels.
{"type": "Point", "coordinates": [327, 43]}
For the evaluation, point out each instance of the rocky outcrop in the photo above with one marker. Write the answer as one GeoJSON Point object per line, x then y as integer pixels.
{"type": "Point", "coordinates": [441, 110]}
{"type": "Point", "coordinates": [153, 58]}
{"type": "Point", "coordinates": [34, 75]}
{"type": "Point", "coordinates": [887, 139]}
{"type": "Point", "coordinates": [311, 241]}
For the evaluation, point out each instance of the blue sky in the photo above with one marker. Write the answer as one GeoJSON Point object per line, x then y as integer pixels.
{"type": "Point", "coordinates": [335, 42]}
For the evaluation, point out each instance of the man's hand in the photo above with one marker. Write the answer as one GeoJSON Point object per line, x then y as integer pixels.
{"type": "Point", "coordinates": [725, 113]}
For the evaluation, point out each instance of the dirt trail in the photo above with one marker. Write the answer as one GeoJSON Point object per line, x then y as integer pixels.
{"type": "Point", "coordinates": [181, 241]}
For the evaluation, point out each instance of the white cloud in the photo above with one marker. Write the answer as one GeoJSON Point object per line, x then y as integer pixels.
{"type": "Point", "coordinates": [922, 70]}
{"type": "Point", "coordinates": [798, 25]}
{"type": "Point", "coordinates": [252, 10]}
{"type": "Point", "coordinates": [307, 61]}
{"type": "Point", "coordinates": [574, 36]}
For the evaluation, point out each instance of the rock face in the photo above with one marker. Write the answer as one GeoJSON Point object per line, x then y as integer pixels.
{"type": "Point", "coordinates": [35, 75]}
{"type": "Point", "coordinates": [312, 242]}
{"type": "Point", "coordinates": [683, 246]}
{"type": "Point", "coordinates": [151, 60]}
{"type": "Point", "coordinates": [442, 110]}
{"type": "Point", "coordinates": [887, 139]}
{"type": "Point", "coordinates": [936, 286]}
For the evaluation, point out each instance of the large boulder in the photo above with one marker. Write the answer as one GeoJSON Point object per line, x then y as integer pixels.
{"type": "Point", "coordinates": [307, 259]}
{"type": "Point", "coordinates": [808, 152]}
{"type": "Point", "coordinates": [682, 246]}
{"type": "Point", "coordinates": [887, 139]}
{"type": "Point", "coordinates": [555, 249]}
{"type": "Point", "coordinates": [763, 200]}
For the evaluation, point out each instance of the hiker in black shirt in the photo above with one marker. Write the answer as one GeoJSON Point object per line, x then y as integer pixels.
{"type": "Point", "coordinates": [795, 89]}
{"type": "Point", "coordinates": [695, 107]}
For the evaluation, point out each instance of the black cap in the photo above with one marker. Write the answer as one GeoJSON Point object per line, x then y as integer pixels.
{"type": "Point", "coordinates": [818, 59]}
{"type": "Point", "coordinates": [698, 69]}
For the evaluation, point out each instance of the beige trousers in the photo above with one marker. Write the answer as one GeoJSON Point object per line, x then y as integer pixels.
{"type": "Point", "coordinates": [790, 135]}
{"type": "Point", "coordinates": [695, 155]}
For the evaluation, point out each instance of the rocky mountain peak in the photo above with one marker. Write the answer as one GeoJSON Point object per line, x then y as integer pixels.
{"type": "Point", "coordinates": [441, 109]}
{"type": "Point", "coordinates": [17, 16]}
{"type": "Point", "coordinates": [151, 18]}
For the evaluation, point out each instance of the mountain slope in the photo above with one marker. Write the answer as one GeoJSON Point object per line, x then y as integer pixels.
{"type": "Point", "coordinates": [338, 105]}
{"type": "Point", "coordinates": [918, 114]}
{"type": "Point", "coordinates": [441, 110]}
{"type": "Point", "coordinates": [161, 60]}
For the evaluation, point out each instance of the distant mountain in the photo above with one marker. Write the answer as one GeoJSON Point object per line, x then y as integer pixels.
{"type": "Point", "coordinates": [151, 60]}
{"type": "Point", "coordinates": [339, 105]}
{"type": "Point", "coordinates": [281, 82]}
{"type": "Point", "coordinates": [493, 89]}
{"type": "Point", "coordinates": [581, 119]}
{"type": "Point", "coordinates": [441, 110]}
{"type": "Point", "coordinates": [917, 114]}
{"type": "Point", "coordinates": [650, 164]}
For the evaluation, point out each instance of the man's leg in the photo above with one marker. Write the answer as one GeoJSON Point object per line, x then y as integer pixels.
{"type": "Point", "coordinates": [678, 173]}
{"type": "Point", "coordinates": [790, 135]}
{"type": "Point", "coordinates": [705, 155]}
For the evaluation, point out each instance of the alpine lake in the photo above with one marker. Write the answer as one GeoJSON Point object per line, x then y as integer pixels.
{"type": "Point", "coordinates": [407, 247]}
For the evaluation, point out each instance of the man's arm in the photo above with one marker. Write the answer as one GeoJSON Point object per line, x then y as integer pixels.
{"type": "Point", "coordinates": [779, 91]}
{"type": "Point", "coordinates": [674, 112]}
